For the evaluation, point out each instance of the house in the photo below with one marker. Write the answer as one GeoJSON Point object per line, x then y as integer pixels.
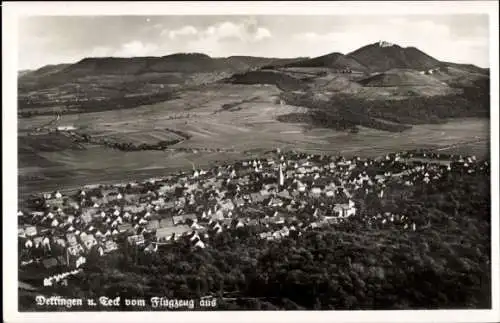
{"type": "Point", "coordinates": [315, 191]}
{"type": "Point", "coordinates": [257, 197]}
{"type": "Point", "coordinates": [75, 250]}
{"type": "Point", "coordinates": [278, 220]}
{"type": "Point", "coordinates": [134, 208]}
{"type": "Point", "coordinates": [158, 202]}
{"type": "Point", "coordinates": [37, 214]}
{"type": "Point", "coordinates": [71, 238]}
{"type": "Point", "coordinates": [275, 202]}
{"type": "Point", "coordinates": [28, 244]}
{"type": "Point", "coordinates": [166, 233]}
{"type": "Point", "coordinates": [284, 194]}
{"type": "Point", "coordinates": [226, 205]}
{"type": "Point", "coordinates": [109, 245]}
{"type": "Point", "coordinates": [215, 226]}
{"type": "Point", "coordinates": [46, 243]}
{"type": "Point", "coordinates": [218, 215]}
{"type": "Point", "coordinates": [60, 242]}
{"type": "Point", "coordinates": [125, 227]}
{"type": "Point", "coordinates": [38, 242]}
{"type": "Point", "coordinates": [238, 201]}
{"type": "Point", "coordinates": [30, 231]}
{"type": "Point", "coordinates": [47, 282]}
{"type": "Point", "coordinates": [199, 244]}
{"type": "Point", "coordinates": [265, 235]}
{"type": "Point", "coordinates": [344, 210]}
{"type": "Point", "coordinates": [88, 241]}
{"type": "Point", "coordinates": [80, 261]}
{"type": "Point", "coordinates": [276, 235]}
{"type": "Point", "coordinates": [177, 219]}
{"type": "Point", "coordinates": [152, 247]}
{"type": "Point", "coordinates": [136, 240]}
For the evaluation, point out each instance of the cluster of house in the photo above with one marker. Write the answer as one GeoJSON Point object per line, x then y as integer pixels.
{"type": "Point", "coordinates": [283, 195]}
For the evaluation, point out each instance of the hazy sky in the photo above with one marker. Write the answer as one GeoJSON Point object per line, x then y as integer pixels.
{"type": "Point", "coordinates": [51, 40]}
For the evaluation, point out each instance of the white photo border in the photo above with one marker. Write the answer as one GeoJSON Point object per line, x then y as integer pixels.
{"type": "Point", "coordinates": [12, 11]}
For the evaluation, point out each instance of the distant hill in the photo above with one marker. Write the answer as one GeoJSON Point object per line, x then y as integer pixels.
{"type": "Point", "coordinates": [333, 60]}
{"type": "Point", "coordinates": [283, 81]}
{"type": "Point", "coordinates": [23, 72]}
{"type": "Point", "coordinates": [383, 56]}
{"type": "Point", "coordinates": [178, 63]}
{"type": "Point", "coordinates": [43, 71]}
{"type": "Point", "coordinates": [183, 63]}
{"type": "Point", "coordinates": [400, 77]}
{"type": "Point", "coordinates": [385, 71]}
{"type": "Point", "coordinates": [468, 67]}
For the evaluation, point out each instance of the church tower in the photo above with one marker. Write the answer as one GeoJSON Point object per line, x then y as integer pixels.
{"type": "Point", "coordinates": [281, 177]}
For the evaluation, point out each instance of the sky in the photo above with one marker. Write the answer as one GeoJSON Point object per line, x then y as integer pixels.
{"type": "Point", "coordinates": [47, 40]}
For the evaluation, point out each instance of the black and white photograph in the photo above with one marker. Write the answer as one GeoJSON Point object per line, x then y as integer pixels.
{"type": "Point", "coordinates": [284, 161]}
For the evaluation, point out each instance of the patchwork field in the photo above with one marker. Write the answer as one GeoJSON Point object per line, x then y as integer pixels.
{"type": "Point", "coordinates": [48, 162]}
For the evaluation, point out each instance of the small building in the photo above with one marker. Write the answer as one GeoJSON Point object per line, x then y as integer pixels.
{"type": "Point", "coordinates": [125, 227]}
{"type": "Point", "coordinates": [257, 197]}
{"type": "Point", "coordinates": [136, 240]}
{"type": "Point", "coordinates": [171, 232]}
{"type": "Point", "coordinates": [88, 241]}
{"type": "Point", "coordinates": [177, 219]}
{"type": "Point", "coordinates": [75, 250]}
{"type": "Point", "coordinates": [109, 246]}
{"type": "Point", "coordinates": [30, 231]}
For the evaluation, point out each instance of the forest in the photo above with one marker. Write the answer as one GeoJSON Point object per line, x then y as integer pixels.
{"type": "Point", "coordinates": [27, 109]}
{"type": "Point", "coordinates": [343, 112]}
{"type": "Point", "coordinates": [354, 265]}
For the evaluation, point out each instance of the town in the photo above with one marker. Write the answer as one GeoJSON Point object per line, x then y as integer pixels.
{"type": "Point", "coordinates": [280, 196]}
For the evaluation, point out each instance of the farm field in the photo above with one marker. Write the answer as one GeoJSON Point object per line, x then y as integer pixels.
{"type": "Point", "coordinates": [248, 128]}
{"type": "Point", "coordinates": [243, 132]}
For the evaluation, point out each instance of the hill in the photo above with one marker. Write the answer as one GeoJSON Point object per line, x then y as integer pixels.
{"type": "Point", "coordinates": [178, 63]}
{"type": "Point", "coordinates": [376, 71]}
{"type": "Point", "coordinates": [334, 60]}
{"type": "Point", "coordinates": [23, 72]}
{"type": "Point", "coordinates": [45, 70]}
{"type": "Point", "coordinates": [468, 67]}
{"type": "Point", "coordinates": [400, 77]}
{"type": "Point", "coordinates": [282, 80]}
{"type": "Point", "coordinates": [383, 56]}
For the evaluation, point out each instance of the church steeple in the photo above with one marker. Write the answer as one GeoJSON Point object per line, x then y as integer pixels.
{"type": "Point", "coordinates": [281, 177]}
